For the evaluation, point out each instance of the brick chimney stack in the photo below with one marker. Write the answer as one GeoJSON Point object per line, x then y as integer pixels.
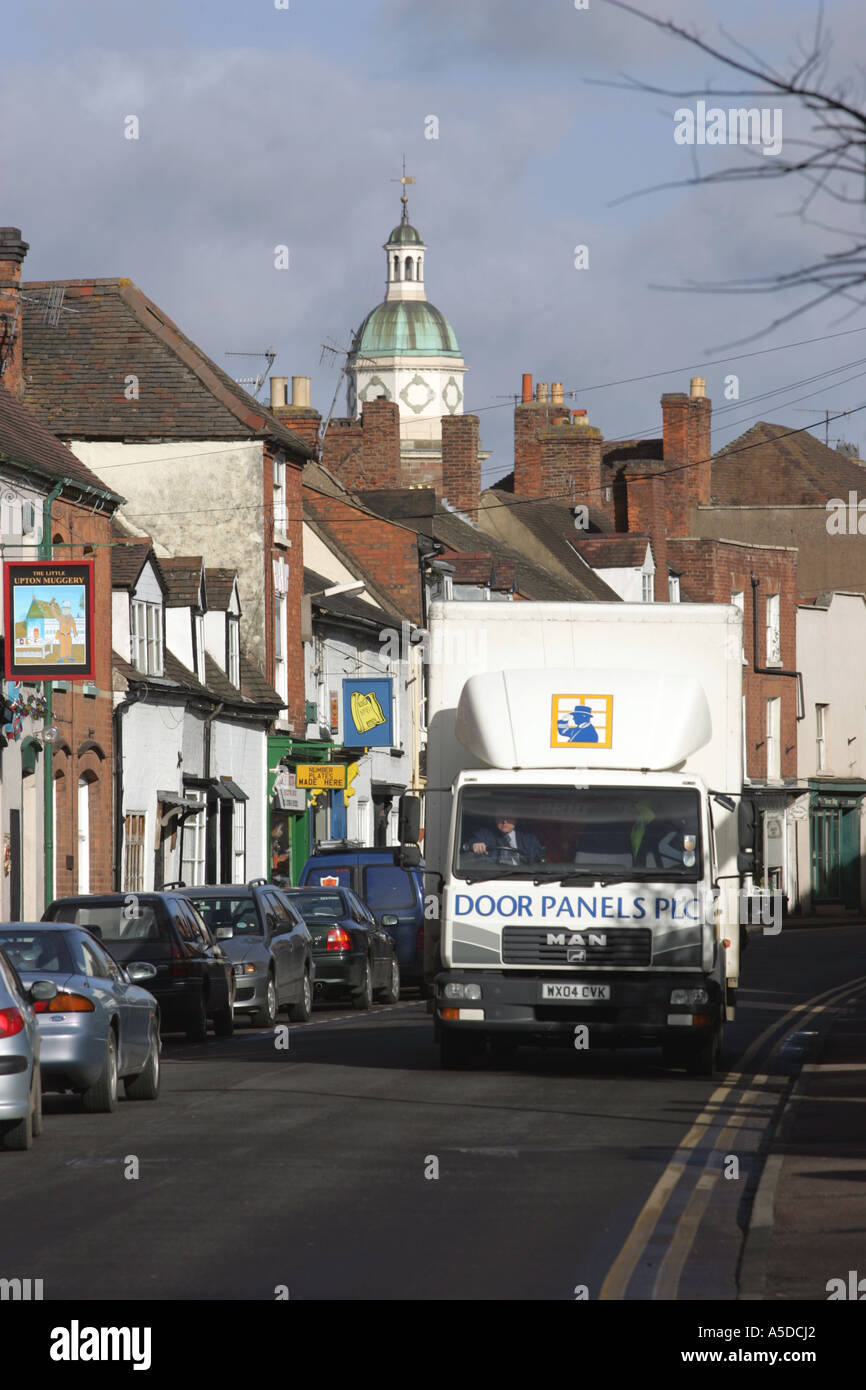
{"type": "Point", "coordinates": [645, 494]}
{"type": "Point", "coordinates": [530, 417]}
{"type": "Point", "coordinates": [299, 416]}
{"type": "Point", "coordinates": [12, 253]}
{"type": "Point", "coordinates": [686, 431]}
{"type": "Point", "coordinates": [461, 466]}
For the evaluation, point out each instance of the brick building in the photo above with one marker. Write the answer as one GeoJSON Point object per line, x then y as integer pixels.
{"type": "Point", "coordinates": [57, 794]}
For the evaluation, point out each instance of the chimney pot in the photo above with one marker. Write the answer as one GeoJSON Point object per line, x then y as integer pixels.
{"type": "Point", "coordinates": [556, 393]}
{"type": "Point", "coordinates": [527, 387]}
{"type": "Point", "coordinates": [278, 391]}
{"type": "Point", "coordinates": [301, 391]}
{"type": "Point", "coordinates": [541, 392]}
{"type": "Point", "coordinates": [698, 386]}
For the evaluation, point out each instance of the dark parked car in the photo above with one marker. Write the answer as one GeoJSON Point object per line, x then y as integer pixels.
{"type": "Point", "coordinates": [194, 980]}
{"type": "Point", "coordinates": [269, 945]}
{"type": "Point", "coordinates": [354, 955]}
{"type": "Point", "coordinates": [379, 880]}
{"type": "Point", "coordinates": [100, 1027]}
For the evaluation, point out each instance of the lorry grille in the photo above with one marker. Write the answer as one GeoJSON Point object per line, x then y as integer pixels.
{"type": "Point", "coordinates": [535, 946]}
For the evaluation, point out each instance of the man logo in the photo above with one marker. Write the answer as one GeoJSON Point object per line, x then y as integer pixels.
{"type": "Point", "coordinates": [575, 938]}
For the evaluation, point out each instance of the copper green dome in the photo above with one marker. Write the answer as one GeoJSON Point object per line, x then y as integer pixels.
{"type": "Point", "coordinates": [405, 327]}
{"type": "Point", "coordinates": [404, 235]}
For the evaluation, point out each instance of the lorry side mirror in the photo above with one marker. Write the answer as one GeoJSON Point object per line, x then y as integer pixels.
{"type": "Point", "coordinates": [410, 819]}
{"type": "Point", "coordinates": [747, 831]}
{"type": "Point", "coordinates": [410, 856]}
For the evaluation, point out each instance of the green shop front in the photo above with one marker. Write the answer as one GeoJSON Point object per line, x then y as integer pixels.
{"type": "Point", "coordinates": [834, 840]}
{"type": "Point", "coordinates": [308, 783]}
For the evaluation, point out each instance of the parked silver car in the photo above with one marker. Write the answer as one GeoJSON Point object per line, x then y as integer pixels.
{"type": "Point", "coordinates": [20, 1089]}
{"type": "Point", "coordinates": [269, 945]}
{"type": "Point", "coordinates": [100, 1026]}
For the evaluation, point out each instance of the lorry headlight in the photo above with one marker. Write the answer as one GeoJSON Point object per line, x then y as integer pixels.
{"type": "Point", "coordinates": [690, 998]}
{"type": "Point", "coordinates": [456, 990]}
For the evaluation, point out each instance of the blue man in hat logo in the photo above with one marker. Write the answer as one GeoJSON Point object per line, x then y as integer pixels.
{"type": "Point", "coordinates": [577, 726]}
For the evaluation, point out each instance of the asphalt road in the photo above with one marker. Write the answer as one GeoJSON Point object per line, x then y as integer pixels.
{"type": "Point", "coordinates": [312, 1169]}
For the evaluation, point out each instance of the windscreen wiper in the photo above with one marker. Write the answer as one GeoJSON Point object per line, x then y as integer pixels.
{"type": "Point", "coordinates": [514, 871]}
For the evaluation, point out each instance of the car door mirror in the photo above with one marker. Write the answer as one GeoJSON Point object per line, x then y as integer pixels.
{"type": "Point", "coordinates": [139, 970]}
{"type": "Point", "coordinates": [224, 933]}
{"type": "Point", "coordinates": [43, 990]}
{"type": "Point", "coordinates": [388, 920]}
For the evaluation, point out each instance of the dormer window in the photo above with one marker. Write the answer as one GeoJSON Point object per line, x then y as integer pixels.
{"type": "Point", "coordinates": [233, 650]}
{"type": "Point", "coordinates": [145, 631]}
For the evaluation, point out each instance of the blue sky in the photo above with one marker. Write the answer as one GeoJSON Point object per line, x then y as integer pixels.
{"type": "Point", "coordinates": [261, 126]}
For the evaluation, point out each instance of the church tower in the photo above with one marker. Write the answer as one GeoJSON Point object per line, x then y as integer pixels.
{"type": "Point", "coordinates": [406, 351]}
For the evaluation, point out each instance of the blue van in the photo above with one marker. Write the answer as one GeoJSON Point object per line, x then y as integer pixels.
{"type": "Point", "coordinates": [379, 880]}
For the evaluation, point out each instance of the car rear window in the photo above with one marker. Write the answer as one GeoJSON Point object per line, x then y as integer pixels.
{"type": "Point", "coordinates": [238, 912]}
{"type": "Point", "coordinates": [386, 886]}
{"type": "Point", "coordinates": [318, 906]}
{"type": "Point", "coordinates": [37, 950]}
{"type": "Point", "coordinates": [328, 878]}
{"type": "Point", "coordinates": [114, 921]}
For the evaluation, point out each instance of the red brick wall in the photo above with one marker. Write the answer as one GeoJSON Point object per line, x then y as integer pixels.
{"type": "Point", "coordinates": [700, 474]}
{"type": "Point", "coordinates": [711, 571]}
{"type": "Point", "coordinates": [686, 434]}
{"type": "Point", "coordinates": [79, 534]}
{"type": "Point", "coordinates": [461, 466]}
{"type": "Point", "coordinates": [381, 548]}
{"type": "Point", "coordinates": [365, 453]}
{"type": "Point", "coordinates": [529, 419]}
{"type": "Point", "coordinates": [645, 513]}
{"type": "Point", "coordinates": [302, 420]}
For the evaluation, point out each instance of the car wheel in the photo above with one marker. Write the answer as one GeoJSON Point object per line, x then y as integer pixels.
{"type": "Point", "coordinates": [145, 1085]}
{"type": "Point", "coordinates": [456, 1050]}
{"type": "Point", "coordinates": [37, 1101]}
{"type": "Point", "coordinates": [224, 1021]}
{"type": "Point", "coordinates": [391, 993]}
{"type": "Point", "coordinates": [101, 1097]}
{"type": "Point", "coordinates": [196, 1031]}
{"type": "Point", "coordinates": [363, 998]}
{"type": "Point", "coordinates": [302, 1012]}
{"type": "Point", "coordinates": [266, 1017]}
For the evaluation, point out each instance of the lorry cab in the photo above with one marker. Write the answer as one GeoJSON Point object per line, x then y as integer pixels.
{"type": "Point", "coordinates": [380, 881]}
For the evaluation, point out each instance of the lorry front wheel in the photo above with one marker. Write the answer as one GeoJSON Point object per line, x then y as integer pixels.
{"type": "Point", "coordinates": [456, 1050]}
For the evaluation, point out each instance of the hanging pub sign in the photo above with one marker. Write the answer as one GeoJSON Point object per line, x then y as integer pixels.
{"type": "Point", "coordinates": [48, 613]}
{"type": "Point", "coordinates": [367, 721]}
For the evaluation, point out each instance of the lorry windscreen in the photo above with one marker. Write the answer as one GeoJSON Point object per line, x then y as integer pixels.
{"type": "Point", "coordinates": [548, 832]}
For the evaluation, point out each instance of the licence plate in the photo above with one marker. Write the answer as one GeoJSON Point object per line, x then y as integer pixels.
{"type": "Point", "coordinates": [566, 992]}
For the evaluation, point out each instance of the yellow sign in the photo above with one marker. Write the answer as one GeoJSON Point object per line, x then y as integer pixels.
{"type": "Point", "coordinates": [351, 774]}
{"type": "Point", "coordinates": [323, 776]}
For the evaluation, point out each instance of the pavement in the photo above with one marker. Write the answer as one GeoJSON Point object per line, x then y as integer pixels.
{"type": "Point", "coordinates": [808, 1220]}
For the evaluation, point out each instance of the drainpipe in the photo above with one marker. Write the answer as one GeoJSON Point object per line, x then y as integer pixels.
{"type": "Point", "coordinates": [117, 717]}
{"type": "Point", "coordinates": [47, 748]}
{"type": "Point", "coordinates": [772, 670]}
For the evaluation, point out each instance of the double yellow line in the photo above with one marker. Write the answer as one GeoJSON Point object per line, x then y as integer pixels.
{"type": "Point", "coordinates": [670, 1271]}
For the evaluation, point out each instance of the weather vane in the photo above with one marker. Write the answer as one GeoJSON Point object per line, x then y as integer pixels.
{"type": "Point", "coordinates": [406, 179]}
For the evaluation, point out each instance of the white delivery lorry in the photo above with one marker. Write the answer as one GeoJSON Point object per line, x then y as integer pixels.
{"type": "Point", "coordinates": [583, 826]}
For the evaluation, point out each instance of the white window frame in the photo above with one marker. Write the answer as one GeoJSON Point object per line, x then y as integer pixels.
{"type": "Point", "coordinates": [194, 837]}
{"type": "Point", "coordinates": [821, 764]}
{"type": "Point", "coordinates": [281, 507]}
{"type": "Point", "coordinates": [673, 588]}
{"type": "Point", "coordinates": [233, 650]}
{"type": "Point", "coordinates": [647, 586]}
{"type": "Point", "coordinates": [134, 853]}
{"type": "Point", "coordinates": [239, 842]}
{"type": "Point", "coordinates": [145, 637]}
{"type": "Point", "coordinates": [774, 630]}
{"type": "Point", "coordinates": [773, 737]}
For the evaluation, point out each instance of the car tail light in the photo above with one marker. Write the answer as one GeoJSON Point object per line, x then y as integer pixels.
{"type": "Point", "coordinates": [11, 1022]}
{"type": "Point", "coordinates": [339, 940]}
{"type": "Point", "coordinates": [65, 1004]}
{"type": "Point", "coordinates": [179, 967]}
